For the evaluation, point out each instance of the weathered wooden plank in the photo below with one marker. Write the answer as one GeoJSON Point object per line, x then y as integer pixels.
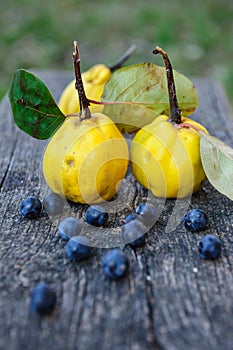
{"type": "Point", "coordinates": [171, 299]}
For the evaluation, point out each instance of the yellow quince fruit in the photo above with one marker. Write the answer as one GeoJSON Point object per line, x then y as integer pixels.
{"type": "Point", "coordinates": [93, 82]}
{"type": "Point", "coordinates": [86, 159]}
{"type": "Point", "coordinates": [165, 154]}
{"type": "Point", "coordinates": [165, 157]}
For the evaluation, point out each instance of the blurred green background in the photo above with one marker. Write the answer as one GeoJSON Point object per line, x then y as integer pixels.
{"type": "Point", "coordinates": [196, 34]}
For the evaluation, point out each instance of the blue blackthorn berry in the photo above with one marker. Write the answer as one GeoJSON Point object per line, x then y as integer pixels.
{"type": "Point", "coordinates": [129, 218]}
{"type": "Point", "coordinates": [31, 207]}
{"type": "Point", "coordinates": [148, 214]}
{"type": "Point", "coordinates": [96, 215]}
{"type": "Point", "coordinates": [43, 299]}
{"type": "Point", "coordinates": [134, 233]}
{"type": "Point", "coordinates": [195, 220]}
{"type": "Point", "coordinates": [115, 264]}
{"type": "Point", "coordinates": [210, 247]}
{"type": "Point", "coordinates": [69, 227]}
{"type": "Point", "coordinates": [78, 248]}
{"type": "Point", "coordinates": [53, 204]}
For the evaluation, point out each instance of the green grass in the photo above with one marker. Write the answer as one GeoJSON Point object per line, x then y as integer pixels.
{"type": "Point", "coordinates": [197, 35]}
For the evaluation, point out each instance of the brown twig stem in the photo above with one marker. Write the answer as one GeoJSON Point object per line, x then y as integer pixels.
{"type": "Point", "coordinates": [175, 111]}
{"type": "Point", "coordinates": [122, 59]}
{"type": "Point", "coordinates": [83, 100]}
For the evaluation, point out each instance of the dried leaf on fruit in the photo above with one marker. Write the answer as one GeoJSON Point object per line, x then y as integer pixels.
{"type": "Point", "coordinates": [217, 161]}
{"type": "Point", "coordinates": [34, 108]}
{"type": "Point", "coordinates": [141, 94]}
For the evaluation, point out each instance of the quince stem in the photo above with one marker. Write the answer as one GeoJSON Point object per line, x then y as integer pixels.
{"type": "Point", "coordinates": [122, 59]}
{"type": "Point", "coordinates": [83, 100]}
{"type": "Point", "coordinates": [175, 111]}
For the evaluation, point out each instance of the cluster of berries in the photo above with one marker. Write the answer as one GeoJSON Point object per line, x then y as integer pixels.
{"type": "Point", "coordinates": [115, 263]}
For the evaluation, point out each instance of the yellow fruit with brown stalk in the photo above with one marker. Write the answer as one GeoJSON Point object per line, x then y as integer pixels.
{"type": "Point", "coordinates": [165, 154]}
{"type": "Point", "coordinates": [87, 157]}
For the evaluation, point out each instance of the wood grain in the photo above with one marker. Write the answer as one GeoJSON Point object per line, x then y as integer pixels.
{"type": "Point", "coordinates": [171, 299]}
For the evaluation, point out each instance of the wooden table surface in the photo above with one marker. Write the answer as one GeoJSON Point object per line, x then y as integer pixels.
{"type": "Point", "coordinates": [171, 299]}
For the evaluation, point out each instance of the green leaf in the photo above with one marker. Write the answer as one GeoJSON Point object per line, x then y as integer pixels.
{"type": "Point", "coordinates": [34, 108]}
{"type": "Point", "coordinates": [144, 88]}
{"type": "Point", "coordinates": [217, 161]}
